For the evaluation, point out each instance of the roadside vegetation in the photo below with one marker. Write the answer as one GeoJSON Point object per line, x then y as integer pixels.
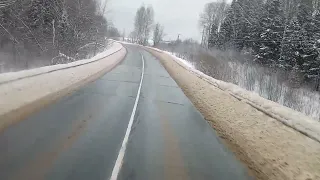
{"type": "Point", "coordinates": [268, 47]}
{"type": "Point", "coordinates": [234, 67]}
{"type": "Point", "coordinates": [36, 33]}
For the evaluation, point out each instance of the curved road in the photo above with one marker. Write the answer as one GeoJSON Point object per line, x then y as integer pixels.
{"type": "Point", "coordinates": [119, 127]}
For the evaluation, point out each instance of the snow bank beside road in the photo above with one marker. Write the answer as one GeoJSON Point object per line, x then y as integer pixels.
{"type": "Point", "coordinates": [287, 116]}
{"type": "Point", "coordinates": [271, 150]}
{"type": "Point", "coordinates": [12, 76]}
{"type": "Point", "coordinates": [35, 88]}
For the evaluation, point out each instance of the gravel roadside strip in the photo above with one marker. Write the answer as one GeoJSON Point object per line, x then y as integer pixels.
{"type": "Point", "coordinates": [270, 149]}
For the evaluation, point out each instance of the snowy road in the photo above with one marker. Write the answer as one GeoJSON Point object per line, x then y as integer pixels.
{"type": "Point", "coordinates": [132, 123]}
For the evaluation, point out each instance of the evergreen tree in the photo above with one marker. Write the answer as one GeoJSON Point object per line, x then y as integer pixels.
{"type": "Point", "coordinates": [311, 50]}
{"type": "Point", "coordinates": [292, 41]}
{"type": "Point", "coordinates": [213, 37]}
{"type": "Point", "coordinates": [311, 61]}
{"type": "Point", "coordinates": [272, 24]}
{"type": "Point", "coordinates": [231, 31]}
{"type": "Point", "coordinates": [280, 33]}
{"type": "Point", "coordinates": [251, 31]}
{"type": "Point", "coordinates": [226, 34]}
{"type": "Point", "coordinates": [308, 51]}
{"type": "Point", "coordinates": [239, 24]}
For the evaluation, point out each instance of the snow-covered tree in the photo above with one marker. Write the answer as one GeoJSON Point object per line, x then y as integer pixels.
{"type": "Point", "coordinates": [227, 29]}
{"type": "Point", "coordinates": [241, 26]}
{"type": "Point", "coordinates": [247, 23]}
{"type": "Point", "coordinates": [291, 43]}
{"type": "Point", "coordinates": [308, 50]}
{"type": "Point", "coordinates": [47, 28]}
{"type": "Point", "coordinates": [213, 36]}
{"type": "Point", "coordinates": [278, 33]}
{"type": "Point", "coordinates": [272, 25]}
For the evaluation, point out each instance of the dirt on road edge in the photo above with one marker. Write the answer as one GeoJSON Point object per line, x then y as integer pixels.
{"type": "Point", "coordinates": [270, 150]}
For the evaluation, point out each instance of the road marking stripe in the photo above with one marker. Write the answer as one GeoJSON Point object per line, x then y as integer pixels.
{"type": "Point", "coordinates": [117, 166]}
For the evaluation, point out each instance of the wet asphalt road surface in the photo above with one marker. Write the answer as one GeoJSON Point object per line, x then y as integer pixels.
{"type": "Point", "coordinates": [79, 137]}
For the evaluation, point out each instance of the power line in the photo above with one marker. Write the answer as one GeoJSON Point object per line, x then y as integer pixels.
{"type": "Point", "coordinates": [287, 41]}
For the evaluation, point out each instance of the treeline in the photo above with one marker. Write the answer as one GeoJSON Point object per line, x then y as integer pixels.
{"type": "Point", "coordinates": [33, 28]}
{"type": "Point", "coordinates": [277, 33]}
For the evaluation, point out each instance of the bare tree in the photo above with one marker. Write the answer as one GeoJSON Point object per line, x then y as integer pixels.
{"type": "Point", "coordinates": [213, 14]}
{"type": "Point", "coordinates": [104, 6]}
{"type": "Point", "coordinates": [133, 37]}
{"type": "Point", "coordinates": [157, 34]}
{"type": "Point", "coordinates": [139, 24]}
{"type": "Point", "coordinates": [143, 23]}
{"type": "Point", "coordinates": [148, 20]}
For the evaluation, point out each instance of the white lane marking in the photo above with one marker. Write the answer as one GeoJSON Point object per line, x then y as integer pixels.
{"type": "Point", "coordinates": [117, 166]}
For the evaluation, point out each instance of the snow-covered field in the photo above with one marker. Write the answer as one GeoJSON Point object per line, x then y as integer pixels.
{"type": "Point", "coordinates": [23, 92]}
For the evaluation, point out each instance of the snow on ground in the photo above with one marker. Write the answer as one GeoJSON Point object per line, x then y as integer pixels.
{"type": "Point", "coordinates": [183, 61]}
{"type": "Point", "coordinates": [11, 76]}
{"type": "Point", "coordinates": [287, 116]}
{"type": "Point", "coordinates": [20, 97]}
{"type": "Point", "coordinates": [271, 150]}
{"type": "Point", "coordinates": [128, 43]}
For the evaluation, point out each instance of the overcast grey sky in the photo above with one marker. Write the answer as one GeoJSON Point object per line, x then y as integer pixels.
{"type": "Point", "coordinates": [177, 16]}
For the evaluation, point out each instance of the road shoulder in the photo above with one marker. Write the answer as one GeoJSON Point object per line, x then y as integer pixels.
{"type": "Point", "coordinates": [270, 149]}
{"type": "Point", "coordinates": [21, 98]}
